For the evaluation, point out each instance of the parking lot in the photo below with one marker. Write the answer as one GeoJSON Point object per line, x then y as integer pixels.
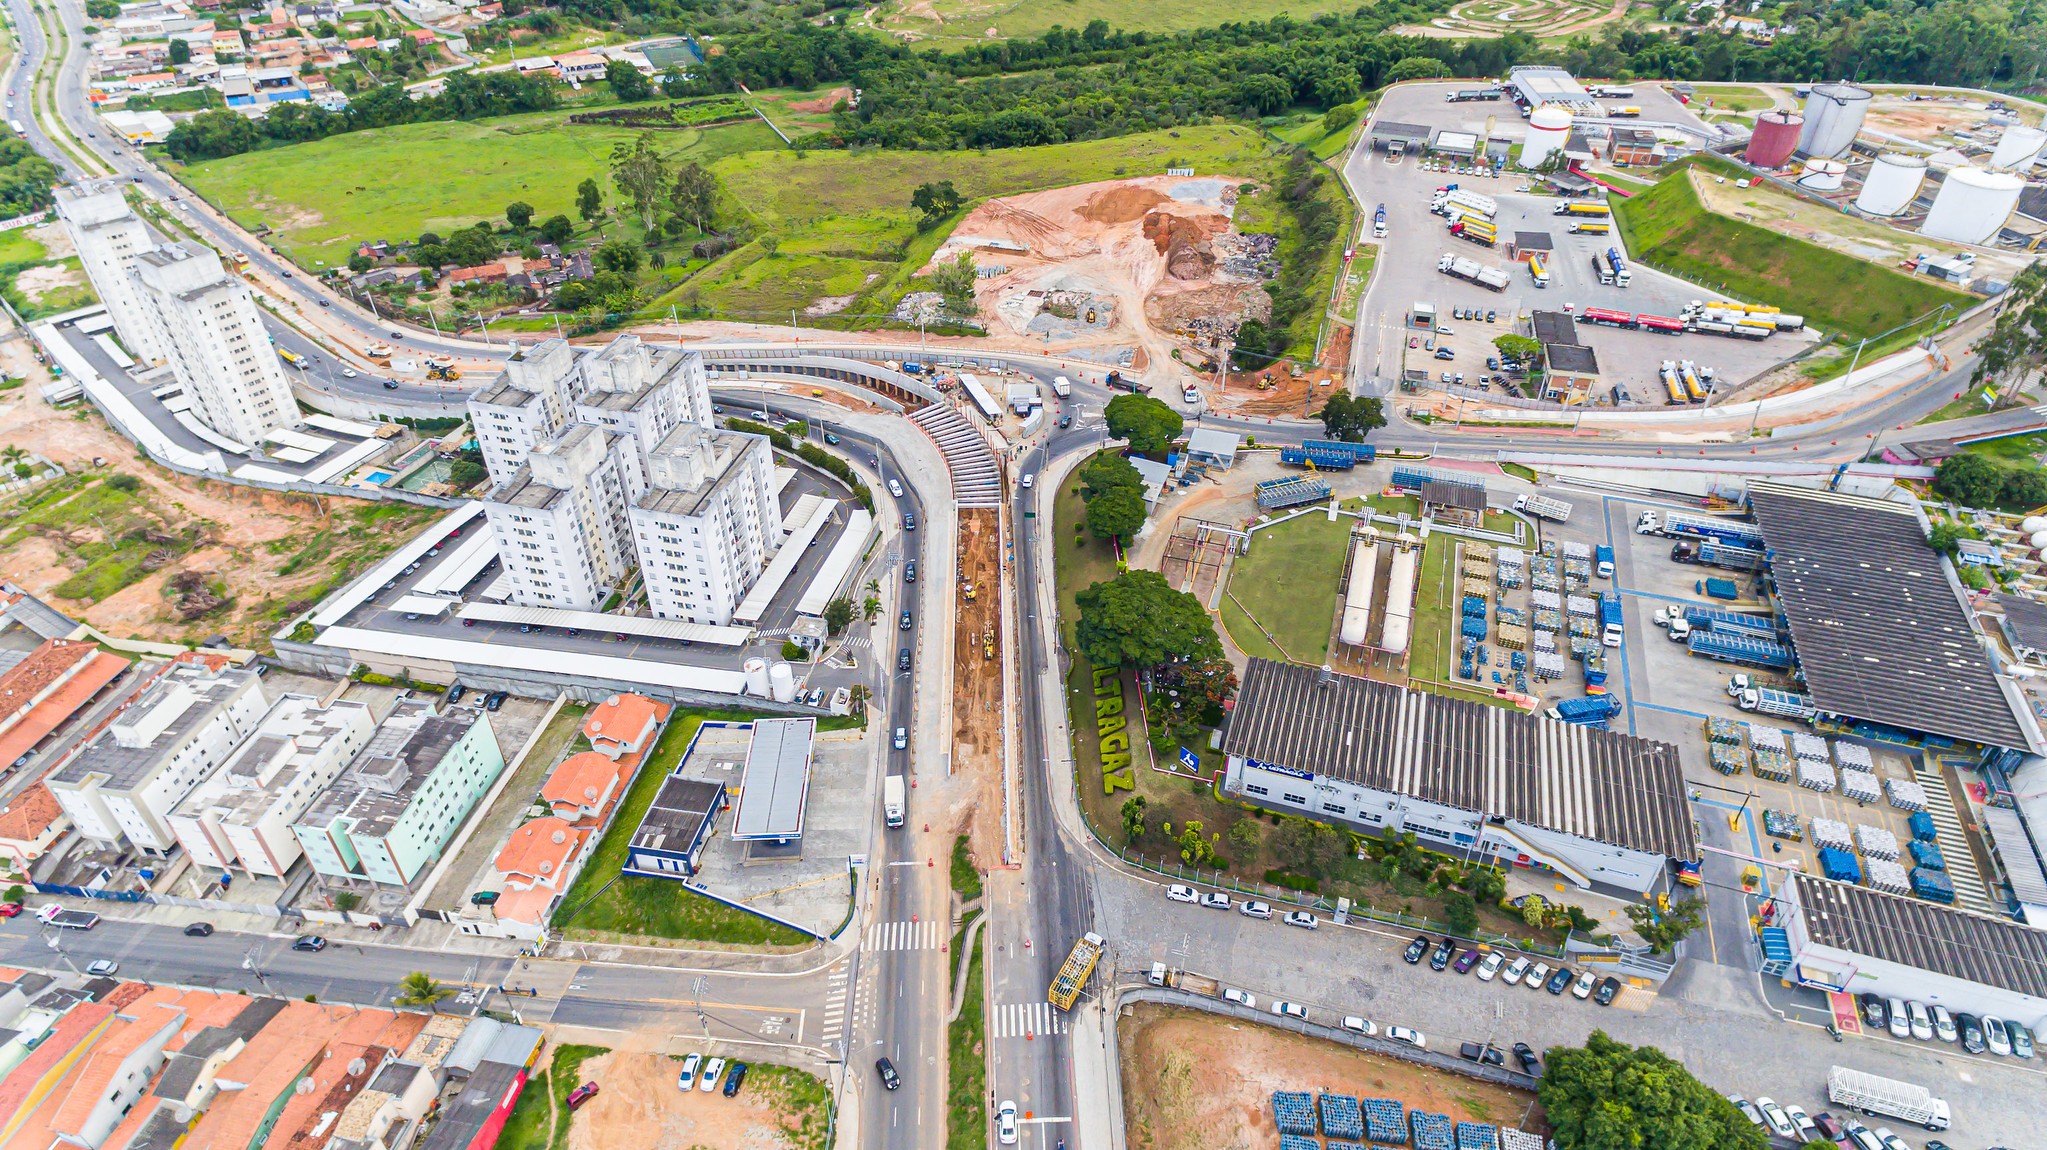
{"type": "Point", "coordinates": [1416, 239]}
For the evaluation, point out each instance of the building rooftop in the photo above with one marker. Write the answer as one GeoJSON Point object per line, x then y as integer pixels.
{"type": "Point", "coordinates": [185, 1063]}
{"type": "Point", "coordinates": [582, 779]}
{"type": "Point", "coordinates": [1879, 625]}
{"type": "Point", "coordinates": [1533, 242]}
{"type": "Point", "coordinates": [463, 1118]}
{"type": "Point", "coordinates": [1553, 327]}
{"type": "Point", "coordinates": [378, 787]}
{"type": "Point", "coordinates": [1597, 785]}
{"type": "Point", "coordinates": [690, 464]}
{"type": "Point", "coordinates": [776, 781]}
{"type": "Point", "coordinates": [1460, 496]}
{"type": "Point", "coordinates": [621, 718]}
{"type": "Point", "coordinates": [29, 813]}
{"type": "Point", "coordinates": [49, 685]}
{"type": "Point", "coordinates": [181, 701]}
{"type": "Point", "coordinates": [678, 812]}
{"type": "Point", "coordinates": [540, 850]}
{"type": "Point", "coordinates": [1925, 935]}
{"type": "Point", "coordinates": [2025, 621]}
{"type": "Point", "coordinates": [292, 736]}
{"type": "Point", "coordinates": [1575, 358]}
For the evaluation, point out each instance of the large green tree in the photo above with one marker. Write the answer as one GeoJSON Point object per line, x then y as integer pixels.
{"type": "Point", "coordinates": [1108, 471]}
{"type": "Point", "coordinates": [1147, 423]}
{"type": "Point", "coordinates": [626, 81]}
{"type": "Point", "coordinates": [2016, 349]}
{"type": "Point", "coordinates": [1117, 513]}
{"type": "Point", "coordinates": [1137, 618]}
{"type": "Point", "coordinates": [641, 173]}
{"type": "Point", "coordinates": [1351, 417]}
{"type": "Point", "coordinates": [1969, 479]}
{"type": "Point", "coordinates": [695, 191]}
{"type": "Point", "coordinates": [1663, 930]}
{"type": "Point", "coordinates": [1607, 1095]}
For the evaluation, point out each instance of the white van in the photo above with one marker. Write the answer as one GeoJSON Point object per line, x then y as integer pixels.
{"type": "Point", "coordinates": [895, 489]}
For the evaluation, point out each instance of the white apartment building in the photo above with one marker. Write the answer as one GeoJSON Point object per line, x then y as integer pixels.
{"type": "Point", "coordinates": [642, 394]}
{"type": "Point", "coordinates": [707, 522]}
{"type": "Point", "coordinates": [211, 332]}
{"type": "Point", "coordinates": [529, 404]}
{"type": "Point", "coordinates": [242, 815]}
{"type": "Point", "coordinates": [109, 236]}
{"type": "Point", "coordinates": [560, 522]}
{"type": "Point", "coordinates": [127, 780]}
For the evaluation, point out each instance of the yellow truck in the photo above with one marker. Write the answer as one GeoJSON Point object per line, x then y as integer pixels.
{"type": "Point", "coordinates": [1073, 973]}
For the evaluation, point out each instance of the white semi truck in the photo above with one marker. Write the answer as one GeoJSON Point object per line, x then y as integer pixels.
{"type": "Point", "coordinates": [1887, 1096]}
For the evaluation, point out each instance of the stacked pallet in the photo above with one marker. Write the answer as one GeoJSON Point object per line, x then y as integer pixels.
{"type": "Point", "coordinates": [1386, 1118]}
{"type": "Point", "coordinates": [1293, 1111]}
{"type": "Point", "coordinates": [1431, 1131]}
{"type": "Point", "coordinates": [1341, 1117]}
{"type": "Point", "coordinates": [1815, 776]}
{"type": "Point", "coordinates": [1876, 842]}
{"type": "Point", "coordinates": [1854, 756]}
{"type": "Point", "coordinates": [1860, 786]}
{"type": "Point", "coordinates": [1886, 875]}
{"type": "Point", "coordinates": [1808, 746]}
{"type": "Point", "coordinates": [1905, 794]}
{"type": "Point", "coordinates": [1831, 833]}
{"type": "Point", "coordinates": [1477, 1136]}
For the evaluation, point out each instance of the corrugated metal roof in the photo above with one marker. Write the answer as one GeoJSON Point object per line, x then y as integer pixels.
{"type": "Point", "coordinates": [776, 781]}
{"type": "Point", "coordinates": [1924, 935]}
{"type": "Point", "coordinates": [2015, 849]}
{"type": "Point", "coordinates": [1606, 787]}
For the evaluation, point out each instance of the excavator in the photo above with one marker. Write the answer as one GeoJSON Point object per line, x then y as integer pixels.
{"type": "Point", "coordinates": [448, 372]}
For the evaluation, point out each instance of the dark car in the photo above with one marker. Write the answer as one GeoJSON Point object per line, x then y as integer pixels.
{"type": "Point", "coordinates": [1445, 353]}
{"type": "Point", "coordinates": [312, 942]}
{"type": "Point", "coordinates": [734, 1077]}
{"type": "Point", "coordinates": [1441, 959]}
{"type": "Point", "coordinates": [1066, 421]}
{"type": "Point", "coordinates": [1874, 1012]}
{"type": "Point", "coordinates": [1530, 1064]}
{"type": "Point", "coordinates": [910, 571]}
{"type": "Point", "coordinates": [1829, 1126]}
{"type": "Point", "coordinates": [903, 623]}
{"type": "Point", "coordinates": [1609, 989]}
{"type": "Point", "coordinates": [1561, 979]}
{"type": "Point", "coordinates": [1466, 961]}
{"type": "Point", "coordinates": [1416, 949]}
{"type": "Point", "coordinates": [456, 692]}
{"type": "Point", "coordinates": [494, 701]}
{"type": "Point", "coordinates": [582, 1094]}
{"type": "Point", "coordinates": [1972, 1033]}
{"type": "Point", "coordinates": [1473, 1052]}
{"type": "Point", "coordinates": [889, 1078]}
{"type": "Point", "coordinates": [903, 659]}
{"type": "Point", "coordinates": [199, 929]}
{"type": "Point", "coordinates": [390, 385]}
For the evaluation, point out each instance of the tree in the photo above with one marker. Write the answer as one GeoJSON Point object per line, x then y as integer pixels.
{"type": "Point", "coordinates": [124, 483]}
{"type": "Point", "coordinates": [1137, 618]}
{"type": "Point", "coordinates": [1247, 348]}
{"type": "Point", "coordinates": [838, 615]}
{"type": "Point", "coordinates": [1417, 68]}
{"type": "Point", "coordinates": [420, 989]}
{"type": "Point", "coordinates": [1243, 835]}
{"type": "Point", "coordinates": [1606, 1095]}
{"type": "Point", "coordinates": [558, 228]}
{"type": "Point", "coordinates": [1147, 423]}
{"type": "Point", "coordinates": [693, 194]}
{"type": "Point", "coordinates": [936, 201]}
{"type": "Point", "coordinates": [1460, 911]}
{"type": "Point", "coordinates": [181, 53]}
{"type": "Point", "coordinates": [1534, 911]}
{"type": "Point", "coordinates": [16, 893]}
{"type": "Point", "coordinates": [1338, 118]}
{"type": "Point", "coordinates": [1195, 850]}
{"type": "Point", "coordinates": [1306, 845]}
{"type": "Point", "coordinates": [1133, 819]}
{"type": "Point", "coordinates": [618, 256]}
{"type": "Point", "coordinates": [589, 201]}
{"type": "Point", "coordinates": [1485, 884]}
{"type": "Point", "coordinates": [346, 901]}
{"type": "Point", "coordinates": [1665, 929]}
{"type": "Point", "coordinates": [1944, 537]}
{"type": "Point", "coordinates": [1518, 348]}
{"type": "Point", "coordinates": [466, 473]}
{"type": "Point", "coordinates": [870, 607]}
{"type": "Point", "coordinates": [519, 213]}
{"type": "Point", "coordinates": [2016, 348]}
{"type": "Point", "coordinates": [1116, 514]}
{"type": "Point", "coordinates": [955, 281]}
{"type": "Point", "coordinates": [1968, 479]}
{"type": "Point", "coordinates": [626, 81]}
{"type": "Point", "coordinates": [2025, 486]}
{"type": "Point", "coordinates": [1352, 417]}
{"type": "Point", "coordinates": [1108, 471]}
{"type": "Point", "coordinates": [641, 174]}
{"type": "Point", "coordinates": [360, 263]}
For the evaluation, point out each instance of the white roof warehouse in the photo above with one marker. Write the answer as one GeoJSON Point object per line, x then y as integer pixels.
{"type": "Point", "coordinates": [1600, 809]}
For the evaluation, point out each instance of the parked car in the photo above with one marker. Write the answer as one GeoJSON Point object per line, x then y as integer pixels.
{"type": "Point", "coordinates": [1779, 1122]}
{"type": "Point", "coordinates": [1999, 1038]}
{"type": "Point", "coordinates": [1583, 987]}
{"type": "Point", "coordinates": [1408, 1035]}
{"type": "Point", "coordinates": [199, 929]}
{"type": "Point", "coordinates": [310, 942]}
{"type": "Point", "coordinates": [1944, 1025]}
{"type": "Point", "coordinates": [1559, 980]}
{"type": "Point", "coordinates": [1803, 1123]}
{"type": "Point", "coordinates": [1890, 1141]}
{"type": "Point", "coordinates": [1445, 353]}
{"type": "Point", "coordinates": [2021, 1040]}
{"type": "Point", "coordinates": [9, 909]}
{"type": "Point", "coordinates": [1416, 949]}
{"type": "Point", "coordinates": [1748, 1110]}
{"type": "Point", "coordinates": [686, 1078]}
{"type": "Point", "coordinates": [104, 968]}
{"type": "Point", "coordinates": [1241, 997]}
{"type": "Point", "coordinates": [1301, 918]}
{"type": "Point", "coordinates": [1216, 900]}
{"type": "Point", "coordinates": [1440, 960]}
{"type": "Point", "coordinates": [1515, 970]}
{"type": "Point", "coordinates": [1530, 1064]}
{"type": "Point", "coordinates": [734, 1079]}
{"type": "Point", "coordinates": [1609, 989]}
{"type": "Point", "coordinates": [712, 1070]}
{"type": "Point", "coordinates": [1466, 961]}
{"type": "Point", "coordinates": [1255, 909]}
{"type": "Point", "coordinates": [1901, 1020]}
{"type": "Point", "coordinates": [1179, 893]}
{"type": "Point", "coordinates": [890, 1080]}
{"type": "Point", "coordinates": [1860, 1137]}
{"type": "Point", "coordinates": [1290, 1010]}
{"type": "Point", "coordinates": [1972, 1033]}
{"type": "Point", "coordinates": [1490, 966]}
{"type": "Point", "coordinates": [582, 1094]}
{"type": "Point", "coordinates": [1537, 975]}
{"type": "Point", "coordinates": [1474, 1052]}
{"type": "Point", "coordinates": [1356, 1025]}
{"type": "Point", "coordinates": [1829, 1126]}
{"type": "Point", "coordinates": [1005, 1123]}
{"type": "Point", "coordinates": [1920, 1020]}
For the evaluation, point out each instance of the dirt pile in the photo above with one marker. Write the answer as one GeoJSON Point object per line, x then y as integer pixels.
{"type": "Point", "coordinates": [1121, 204]}
{"type": "Point", "coordinates": [1184, 243]}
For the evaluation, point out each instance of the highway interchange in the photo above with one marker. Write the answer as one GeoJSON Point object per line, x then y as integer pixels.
{"type": "Point", "coordinates": [894, 1000]}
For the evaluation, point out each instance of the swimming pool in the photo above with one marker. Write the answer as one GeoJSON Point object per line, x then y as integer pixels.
{"type": "Point", "coordinates": [378, 477]}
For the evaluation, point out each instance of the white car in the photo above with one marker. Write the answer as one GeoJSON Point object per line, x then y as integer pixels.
{"type": "Point", "coordinates": [1583, 987]}
{"type": "Point", "coordinates": [1241, 997]}
{"type": "Point", "coordinates": [1255, 909]}
{"type": "Point", "coordinates": [687, 1079]}
{"type": "Point", "coordinates": [1943, 1024]}
{"type": "Point", "coordinates": [1537, 975]}
{"type": "Point", "coordinates": [1179, 893]}
{"type": "Point", "coordinates": [1356, 1025]}
{"type": "Point", "coordinates": [1005, 1124]}
{"type": "Point", "coordinates": [1290, 1010]}
{"type": "Point", "coordinates": [348, 373]}
{"type": "Point", "coordinates": [1891, 1141]}
{"type": "Point", "coordinates": [713, 1070]}
{"type": "Point", "coordinates": [1028, 480]}
{"type": "Point", "coordinates": [1995, 1034]}
{"type": "Point", "coordinates": [1515, 970]}
{"type": "Point", "coordinates": [1216, 900]}
{"type": "Point", "coordinates": [902, 738]}
{"type": "Point", "coordinates": [1808, 1130]}
{"type": "Point", "coordinates": [103, 968]}
{"type": "Point", "coordinates": [1301, 918]}
{"type": "Point", "coordinates": [1408, 1035]}
{"type": "Point", "coordinates": [1920, 1021]}
{"type": "Point", "coordinates": [1748, 1110]}
{"type": "Point", "coordinates": [1780, 1122]}
{"type": "Point", "coordinates": [1490, 966]}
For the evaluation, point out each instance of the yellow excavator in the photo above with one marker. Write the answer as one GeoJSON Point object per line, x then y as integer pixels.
{"type": "Point", "coordinates": [436, 371]}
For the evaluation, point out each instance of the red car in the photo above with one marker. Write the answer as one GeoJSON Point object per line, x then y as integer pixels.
{"type": "Point", "coordinates": [582, 1094]}
{"type": "Point", "coordinates": [9, 909]}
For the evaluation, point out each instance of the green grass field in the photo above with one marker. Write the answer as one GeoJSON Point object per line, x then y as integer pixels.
{"type": "Point", "coordinates": [393, 183]}
{"type": "Point", "coordinates": [1287, 582]}
{"type": "Point", "coordinates": [976, 20]}
{"type": "Point", "coordinates": [1734, 97]}
{"type": "Point", "coordinates": [966, 1056]}
{"type": "Point", "coordinates": [1669, 228]}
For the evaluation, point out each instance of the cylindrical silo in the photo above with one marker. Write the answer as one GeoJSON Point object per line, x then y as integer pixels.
{"type": "Point", "coordinates": [1972, 205]}
{"type": "Point", "coordinates": [1893, 183]}
{"type": "Point", "coordinates": [1776, 137]}
{"type": "Point", "coordinates": [756, 672]}
{"type": "Point", "coordinates": [2018, 148]}
{"type": "Point", "coordinates": [1548, 130]}
{"type": "Point", "coordinates": [1823, 175]}
{"type": "Point", "coordinates": [781, 683]}
{"type": "Point", "coordinates": [1833, 114]}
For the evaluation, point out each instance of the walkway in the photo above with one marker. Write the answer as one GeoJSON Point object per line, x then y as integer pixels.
{"type": "Point", "coordinates": [975, 480]}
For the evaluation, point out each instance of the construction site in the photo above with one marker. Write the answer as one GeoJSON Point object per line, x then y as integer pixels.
{"type": "Point", "coordinates": [977, 669]}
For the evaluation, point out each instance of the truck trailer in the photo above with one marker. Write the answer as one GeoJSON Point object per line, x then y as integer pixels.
{"type": "Point", "coordinates": [1679, 524]}
{"type": "Point", "coordinates": [1740, 649]}
{"type": "Point", "coordinates": [1888, 1096]}
{"type": "Point", "coordinates": [56, 916]}
{"type": "Point", "coordinates": [1545, 508]}
{"type": "Point", "coordinates": [1783, 704]}
{"type": "Point", "coordinates": [1484, 275]}
{"type": "Point", "coordinates": [1453, 199]}
{"type": "Point", "coordinates": [1723, 555]}
{"type": "Point", "coordinates": [1073, 973]}
{"type": "Point", "coordinates": [892, 804]}
{"type": "Point", "coordinates": [1187, 980]}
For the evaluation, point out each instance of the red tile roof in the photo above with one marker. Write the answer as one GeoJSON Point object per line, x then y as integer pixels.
{"type": "Point", "coordinates": [622, 719]}
{"type": "Point", "coordinates": [42, 692]}
{"type": "Point", "coordinates": [29, 814]}
{"type": "Point", "coordinates": [539, 851]}
{"type": "Point", "coordinates": [581, 781]}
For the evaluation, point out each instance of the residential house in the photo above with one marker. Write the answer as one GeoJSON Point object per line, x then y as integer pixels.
{"type": "Point", "coordinates": [623, 724]}
{"type": "Point", "coordinates": [94, 1098]}
{"type": "Point", "coordinates": [582, 786]}
{"type": "Point", "coordinates": [30, 823]}
{"type": "Point", "coordinates": [581, 66]}
{"type": "Point", "coordinates": [47, 689]}
{"type": "Point", "coordinates": [539, 853]}
{"type": "Point", "coordinates": [400, 1094]}
{"type": "Point", "coordinates": [258, 1087]}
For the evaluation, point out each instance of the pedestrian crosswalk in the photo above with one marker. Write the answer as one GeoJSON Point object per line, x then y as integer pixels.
{"type": "Point", "coordinates": [839, 991]}
{"type": "Point", "coordinates": [926, 935]}
{"type": "Point", "coordinates": [1017, 1019]}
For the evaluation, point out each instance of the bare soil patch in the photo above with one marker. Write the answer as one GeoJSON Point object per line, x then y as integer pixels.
{"type": "Point", "coordinates": [1194, 1081]}
{"type": "Point", "coordinates": [37, 282]}
{"type": "Point", "coordinates": [977, 678]}
{"type": "Point", "coordinates": [824, 103]}
{"type": "Point", "coordinates": [55, 240]}
{"type": "Point", "coordinates": [638, 1105]}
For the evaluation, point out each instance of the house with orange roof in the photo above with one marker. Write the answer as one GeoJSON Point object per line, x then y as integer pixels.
{"type": "Point", "coordinates": [29, 823]}
{"type": "Point", "coordinates": [583, 785]}
{"type": "Point", "coordinates": [255, 1086]}
{"type": "Point", "coordinates": [539, 853]}
{"type": "Point", "coordinates": [106, 1085]}
{"type": "Point", "coordinates": [43, 691]}
{"type": "Point", "coordinates": [624, 724]}
{"type": "Point", "coordinates": [71, 1040]}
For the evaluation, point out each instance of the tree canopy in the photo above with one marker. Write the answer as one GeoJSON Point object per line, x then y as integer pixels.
{"type": "Point", "coordinates": [1108, 471]}
{"type": "Point", "coordinates": [1351, 417]}
{"type": "Point", "coordinates": [1147, 423]}
{"type": "Point", "coordinates": [1607, 1095]}
{"type": "Point", "coordinates": [1137, 618]}
{"type": "Point", "coordinates": [1116, 513]}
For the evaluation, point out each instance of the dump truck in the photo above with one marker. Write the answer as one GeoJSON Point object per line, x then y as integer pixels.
{"type": "Point", "coordinates": [892, 803]}
{"type": "Point", "coordinates": [1187, 980]}
{"type": "Point", "coordinates": [1554, 509]}
{"type": "Point", "coordinates": [1073, 973]}
{"type": "Point", "coordinates": [1484, 275]}
{"type": "Point", "coordinates": [1117, 381]}
{"type": "Point", "coordinates": [1603, 560]}
{"type": "Point", "coordinates": [1888, 1096]}
{"type": "Point", "coordinates": [1588, 711]}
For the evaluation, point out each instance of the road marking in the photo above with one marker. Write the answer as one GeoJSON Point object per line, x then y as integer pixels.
{"type": "Point", "coordinates": [1042, 1121]}
{"type": "Point", "coordinates": [926, 935]}
{"type": "Point", "coordinates": [1016, 1019]}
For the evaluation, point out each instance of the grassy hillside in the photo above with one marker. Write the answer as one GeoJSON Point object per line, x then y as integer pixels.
{"type": "Point", "coordinates": [961, 21]}
{"type": "Point", "coordinates": [1667, 227]}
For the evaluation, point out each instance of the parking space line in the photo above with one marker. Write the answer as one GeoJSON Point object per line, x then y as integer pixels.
{"type": "Point", "coordinates": [1700, 715]}
{"type": "Point", "coordinates": [1748, 821]}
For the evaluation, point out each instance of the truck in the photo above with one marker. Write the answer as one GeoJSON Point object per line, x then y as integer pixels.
{"type": "Point", "coordinates": [1327, 455]}
{"type": "Point", "coordinates": [1581, 210]}
{"type": "Point", "coordinates": [1453, 199]}
{"type": "Point", "coordinates": [291, 357]}
{"type": "Point", "coordinates": [1379, 221]}
{"type": "Point", "coordinates": [1707, 554]}
{"type": "Point", "coordinates": [1590, 228]}
{"type": "Point", "coordinates": [1716, 619]}
{"type": "Point", "coordinates": [1610, 630]}
{"type": "Point", "coordinates": [1888, 1096]}
{"type": "Point", "coordinates": [1538, 269]}
{"type": "Point", "coordinates": [912, 367]}
{"type": "Point", "coordinates": [1736, 648]}
{"type": "Point", "coordinates": [1117, 381]}
{"type": "Point", "coordinates": [1187, 980]}
{"type": "Point", "coordinates": [1783, 704]}
{"type": "Point", "coordinates": [1545, 508]}
{"type": "Point", "coordinates": [1484, 275]}
{"type": "Point", "coordinates": [1619, 265]}
{"type": "Point", "coordinates": [1073, 973]}
{"type": "Point", "coordinates": [1587, 711]}
{"type": "Point", "coordinates": [892, 800]}
{"type": "Point", "coordinates": [1602, 561]}
{"type": "Point", "coordinates": [1677, 524]}
{"type": "Point", "coordinates": [56, 916]}
{"type": "Point", "coordinates": [1475, 231]}
{"type": "Point", "coordinates": [1062, 386]}
{"type": "Point", "coordinates": [1625, 112]}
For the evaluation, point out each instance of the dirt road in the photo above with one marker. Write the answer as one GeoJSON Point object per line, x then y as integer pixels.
{"type": "Point", "coordinates": [977, 680]}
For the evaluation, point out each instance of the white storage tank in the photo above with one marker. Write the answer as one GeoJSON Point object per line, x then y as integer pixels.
{"type": "Point", "coordinates": [1893, 183]}
{"type": "Point", "coordinates": [756, 672]}
{"type": "Point", "coordinates": [1549, 128]}
{"type": "Point", "coordinates": [2017, 149]}
{"type": "Point", "coordinates": [1823, 175]}
{"type": "Point", "coordinates": [2038, 542]}
{"type": "Point", "coordinates": [1833, 115]}
{"type": "Point", "coordinates": [781, 683]}
{"type": "Point", "coordinates": [1972, 205]}
{"type": "Point", "coordinates": [2033, 524]}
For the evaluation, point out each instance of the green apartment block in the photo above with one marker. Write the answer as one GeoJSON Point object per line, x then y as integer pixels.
{"type": "Point", "coordinates": [392, 812]}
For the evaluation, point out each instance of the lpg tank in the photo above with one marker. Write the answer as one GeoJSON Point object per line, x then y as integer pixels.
{"type": "Point", "coordinates": [756, 673]}
{"type": "Point", "coordinates": [1833, 115]}
{"type": "Point", "coordinates": [1893, 183]}
{"type": "Point", "coordinates": [781, 683]}
{"type": "Point", "coordinates": [2017, 149]}
{"type": "Point", "coordinates": [1548, 129]}
{"type": "Point", "coordinates": [1972, 205]}
{"type": "Point", "coordinates": [2038, 542]}
{"type": "Point", "coordinates": [2033, 524]}
{"type": "Point", "coordinates": [1776, 137]}
{"type": "Point", "coordinates": [1823, 175]}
